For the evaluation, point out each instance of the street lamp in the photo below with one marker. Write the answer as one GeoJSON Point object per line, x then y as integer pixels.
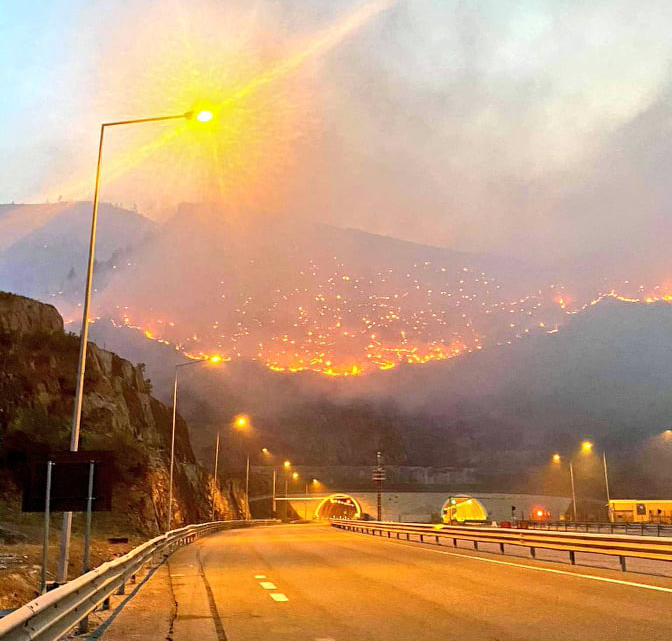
{"type": "Point", "coordinates": [202, 115]}
{"type": "Point", "coordinates": [210, 359]}
{"type": "Point", "coordinates": [587, 448]}
{"type": "Point", "coordinates": [242, 422]}
{"type": "Point", "coordinates": [286, 465]}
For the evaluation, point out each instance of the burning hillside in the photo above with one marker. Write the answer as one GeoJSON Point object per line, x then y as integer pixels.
{"type": "Point", "coordinates": [334, 301]}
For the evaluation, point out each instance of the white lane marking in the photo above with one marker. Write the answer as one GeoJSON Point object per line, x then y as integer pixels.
{"type": "Point", "coordinates": [325, 639]}
{"type": "Point", "coordinates": [174, 575]}
{"type": "Point", "coordinates": [279, 596]}
{"type": "Point", "coordinates": [267, 585]}
{"type": "Point", "coordinates": [259, 576]}
{"type": "Point", "coordinates": [644, 586]}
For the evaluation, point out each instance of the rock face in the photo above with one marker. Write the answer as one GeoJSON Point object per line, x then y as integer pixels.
{"type": "Point", "coordinates": [20, 315]}
{"type": "Point", "coordinates": [38, 363]}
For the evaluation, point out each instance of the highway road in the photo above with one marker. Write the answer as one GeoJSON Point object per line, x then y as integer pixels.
{"type": "Point", "coordinates": [316, 583]}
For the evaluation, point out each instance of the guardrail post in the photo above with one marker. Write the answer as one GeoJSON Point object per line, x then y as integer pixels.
{"type": "Point", "coordinates": [122, 588]}
{"type": "Point", "coordinates": [438, 542]}
{"type": "Point", "coordinates": [533, 552]}
{"type": "Point", "coordinates": [133, 578]}
{"type": "Point", "coordinates": [475, 545]}
{"type": "Point", "coordinates": [454, 543]}
{"type": "Point", "coordinates": [83, 626]}
{"type": "Point", "coordinates": [422, 540]}
{"type": "Point", "coordinates": [106, 604]}
{"type": "Point", "coordinates": [501, 548]}
{"type": "Point", "coordinates": [408, 536]}
{"type": "Point", "coordinates": [622, 561]}
{"type": "Point", "coordinates": [572, 557]}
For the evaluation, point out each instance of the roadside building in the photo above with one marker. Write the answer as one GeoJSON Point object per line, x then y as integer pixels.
{"type": "Point", "coordinates": [641, 510]}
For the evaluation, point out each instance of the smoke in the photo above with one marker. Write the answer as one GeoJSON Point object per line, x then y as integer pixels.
{"type": "Point", "coordinates": [524, 130]}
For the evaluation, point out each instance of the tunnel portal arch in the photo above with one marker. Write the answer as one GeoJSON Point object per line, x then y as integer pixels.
{"type": "Point", "coordinates": [338, 506]}
{"type": "Point", "coordinates": [463, 508]}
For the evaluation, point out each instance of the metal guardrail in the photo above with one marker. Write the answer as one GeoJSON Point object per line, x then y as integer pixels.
{"type": "Point", "coordinates": [54, 613]}
{"type": "Point", "coordinates": [623, 546]}
{"type": "Point", "coordinates": [626, 527]}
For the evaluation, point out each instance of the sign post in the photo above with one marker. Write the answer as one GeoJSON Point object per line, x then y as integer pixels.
{"type": "Point", "coordinates": [47, 514]}
{"type": "Point", "coordinates": [379, 477]}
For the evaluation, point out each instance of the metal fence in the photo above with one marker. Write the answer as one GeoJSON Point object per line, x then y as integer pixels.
{"type": "Point", "coordinates": [54, 613]}
{"type": "Point", "coordinates": [641, 529]}
{"type": "Point", "coordinates": [621, 546]}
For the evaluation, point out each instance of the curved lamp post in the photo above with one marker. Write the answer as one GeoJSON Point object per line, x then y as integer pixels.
{"type": "Point", "coordinates": [203, 115]}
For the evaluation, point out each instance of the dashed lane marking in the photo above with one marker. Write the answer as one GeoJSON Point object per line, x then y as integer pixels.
{"type": "Point", "coordinates": [258, 576]}
{"type": "Point", "coordinates": [267, 585]}
{"type": "Point", "coordinates": [279, 596]}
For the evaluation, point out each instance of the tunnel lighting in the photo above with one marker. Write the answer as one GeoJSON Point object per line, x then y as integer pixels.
{"type": "Point", "coordinates": [587, 446]}
{"type": "Point", "coordinates": [264, 450]}
{"type": "Point", "coordinates": [204, 116]}
{"type": "Point", "coordinates": [287, 464]}
{"type": "Point", "coordinates": [215, 359]}
{"type": "Point", "coordinates": [241, 421]}
{"type": "Point", "coordinates": [295, 475]}
{"type": "Point", "coordinates": [556, 458]}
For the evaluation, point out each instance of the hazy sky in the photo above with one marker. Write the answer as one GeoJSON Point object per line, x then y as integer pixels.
{"type": "Point", "coordinates": [494, 125]}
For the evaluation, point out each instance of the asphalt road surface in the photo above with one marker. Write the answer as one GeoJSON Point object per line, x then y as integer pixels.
{"type": "Point", "coordinates": [316, 583]}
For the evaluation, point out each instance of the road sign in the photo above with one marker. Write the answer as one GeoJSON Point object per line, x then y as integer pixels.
{"type": "Point", "coordinates": [69, 482]}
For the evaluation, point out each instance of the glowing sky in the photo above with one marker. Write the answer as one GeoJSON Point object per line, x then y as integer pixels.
{"type": "Point", "coordinates": [515, 127]}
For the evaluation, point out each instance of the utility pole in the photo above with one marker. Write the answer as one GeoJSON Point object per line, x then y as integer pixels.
{"type": "Point", "coordinates": [379, 477]}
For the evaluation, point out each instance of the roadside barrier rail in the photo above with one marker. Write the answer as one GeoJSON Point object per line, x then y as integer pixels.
{"type": "Point", "coordinates": [54, 613]}
{"type": "Point", "coordinates": [643, 528]}
{"type": "Point", "coordinates": [621, 546]}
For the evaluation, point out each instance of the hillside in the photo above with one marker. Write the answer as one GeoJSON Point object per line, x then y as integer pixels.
{"type": "Point", "coordinates": [604, 375]}
{"type": "Point", "coordinates": [119, 413]}
{"type": "Point", "coordinates": [44, 248]}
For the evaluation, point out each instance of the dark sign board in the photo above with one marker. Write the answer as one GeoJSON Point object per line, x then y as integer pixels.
{"type": "Point", "coordinates": [69, 482]}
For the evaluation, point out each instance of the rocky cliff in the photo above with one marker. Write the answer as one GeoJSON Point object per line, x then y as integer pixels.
{"type": "Point", "coordinates": [38, 363]}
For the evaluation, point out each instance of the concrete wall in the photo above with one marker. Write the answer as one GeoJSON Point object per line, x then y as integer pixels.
{"type": "Point", "coordinates": [426, 506]}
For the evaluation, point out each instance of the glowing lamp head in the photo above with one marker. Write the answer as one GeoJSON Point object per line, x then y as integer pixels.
{"type": "Point", "coordinates": [264, 450]}
{"type": "Point", "coordinates": [215, 359]}
{"type": "Point", "coordinates": [587, 446]}
{"type": "Point", "coordinates": [241, 422]}
{"type": "Point", "coordinates": [556, 458]}
{"type": "Point", "coordinates": [205, 115]}
{"type": "Point", "coordinates": [540, 513]}
{"type": "Point", "coordinates": [287, 464]}
{"type": "Point", "coordinates": [295, 475]}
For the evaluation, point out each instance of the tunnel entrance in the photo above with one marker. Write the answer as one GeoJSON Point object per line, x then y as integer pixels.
{"type": "Point", "coordinates": [338, 506]}
{"type": "Point", "coordinates": [463, 508]}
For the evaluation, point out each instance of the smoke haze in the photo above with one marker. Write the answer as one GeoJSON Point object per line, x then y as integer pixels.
{"type": "Point", "coordinates": [523, 129]}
